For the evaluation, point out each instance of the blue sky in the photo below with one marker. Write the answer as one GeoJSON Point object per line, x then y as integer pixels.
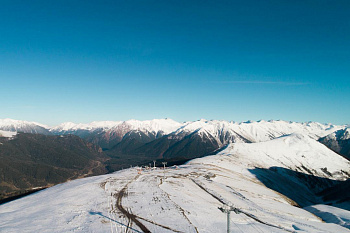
{"type": "Point", "coordinates": [82, 61]}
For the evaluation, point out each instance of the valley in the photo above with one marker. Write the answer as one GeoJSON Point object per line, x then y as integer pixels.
{"type": "Point", "coordinates": [255, 168]}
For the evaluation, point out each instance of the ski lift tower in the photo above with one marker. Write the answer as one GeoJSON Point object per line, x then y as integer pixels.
{"type": "Point", "coordinates": [227, 210]}
{"type": "Point", "coordinates": [164, 163]}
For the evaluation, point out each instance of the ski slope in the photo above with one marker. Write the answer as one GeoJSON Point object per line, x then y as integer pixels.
{"type": "Point", "coordinates": [180, 199]}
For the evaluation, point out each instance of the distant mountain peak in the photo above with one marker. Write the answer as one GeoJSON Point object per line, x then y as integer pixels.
{"type": "Point", "coordinates": [8, 121]}
{"type": "Point", "coordinates": [344, 134]}
{"type": "Point", "coordinates": [23, 126]}
{"type": "Point", "coordinates": [338, 141]}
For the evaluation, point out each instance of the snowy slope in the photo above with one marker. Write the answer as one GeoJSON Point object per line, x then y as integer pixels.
{"type": "Point", "coordinates": [23, 126]}
{"type": "Point", "coordinates": [331, 214]}
{"type": "Point", "coordinates": [70, 126]}
{"type": "Point", "coordinates": [201, 138]}
{"type": "Point", "coordinates": [255, 131]}
{"type": "Point", "coordinates": [339, 141]}
{"type": "Point", "coordinates": [7, 134]}
{"type": "Point", "coordinates": [184, 199]}
{"type": "Point", "coordinates": [292, 152]}
{"type": "Point", "coordinates": [165, 125]}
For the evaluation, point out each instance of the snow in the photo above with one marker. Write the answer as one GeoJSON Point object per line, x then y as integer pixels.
{"type": "Point", "coordinates": [223, 131]}
{"type": "Point", "coordinates": [331, 214]}
{"type": "Point", "coordinates": [70, 126]}
{"type": "Point", "coordinates": [7, 134]}
{"type": "Point", "coordinates": [187, 199]}
{"type": "Point", "coordinates": [342, 134]}
{"type": "Point", "coordinates": [184, 199]}
{"type": "Point", "coordinates": [256, 131]}
{"type": "Point", "coordinates": [7, 123]}
{"type": "Point", "coordinates": [64, 126]}
{"type": "Point", "coordinates": [346, 134]}
{"type": "Point", "coordinates": [60, 207]}
{"type": "Point", "coordinates": [165, 125]}
{"type": "Point", "coordinates": [290, 152]}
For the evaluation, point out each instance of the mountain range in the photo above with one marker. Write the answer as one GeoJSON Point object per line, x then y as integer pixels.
{"type": "Point", "coordinates": [30, 148]}
{"type": "Point", "coordinates": [165, 138]}
{"type": "Point", "coordinates": [273, 180]}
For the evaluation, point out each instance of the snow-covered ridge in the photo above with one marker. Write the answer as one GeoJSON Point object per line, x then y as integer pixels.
{"type": "Point", "coordinates": [165, 125]}
{"type": "Point", "coordinates": [70, 126]}
{"type": "Point", "coordinates": [256, 131]}
{"type": "Point", "coordinates": [296, 152]}
{"type": "Point", "coordinates": [346, 134]}
{"type": "Point", "coordinates": [23, 126]}
{"type": "Point", "coordinates": [338, 141]}
{"type": "Point", "coordinates": [223, 131]}
{"type": "Point", "coordinates": [341, 134]}
{"type": "Point", "coordinates": [7, 122]}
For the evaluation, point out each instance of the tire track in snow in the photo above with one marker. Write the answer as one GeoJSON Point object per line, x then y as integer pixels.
{"type": "Point", "coordinates": [157, 224]}
{"type": "Point", "coordinates": [243, 212]}
{"type": "Point", "coordinates": [132, 217]}
{"type": "Point", "coordinates": [178, 206]}
{"type": "Point", "coordinates": [258, 207]}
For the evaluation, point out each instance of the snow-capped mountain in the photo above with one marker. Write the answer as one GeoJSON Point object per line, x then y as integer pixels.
{"type": "Point", "coordinates": [157, 125]}
{"type": "Point", "coordinates": [108, 133]}
{"type": "Point", "coordinates": [166, 138]}
{"type": "Point", "coordinates": [71, 127]}
{"type": "Point", "coordinates": [266, 182]}
{"type": "Point", "coordinates": [250, 131]}
{"type": "Point", "coordinates": [199, 138]}
{"type": "Point", "coordinates": [23, 126]}
{"type": "Point", "coordinates": [339, 141]}
{"type": "Point", "coordinates": [296, 152]}
{"type": "Point", "coordinates": [298, 161]}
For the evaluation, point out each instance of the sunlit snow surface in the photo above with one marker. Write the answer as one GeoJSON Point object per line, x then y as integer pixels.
{"type": "Point", "coordinates": [155, 125]}
{"type": "Point", "coordinates": [7, 134]}
{"type": "Point", "coordinates": [17, 124]}
{"type": "Point", "coordinates": [183, 199]}
{"type": "Point", "coordinates": [331, 214]}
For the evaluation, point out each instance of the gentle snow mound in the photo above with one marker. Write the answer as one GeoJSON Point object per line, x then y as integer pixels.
{"type": "Point", "coordinates": [293, 151]}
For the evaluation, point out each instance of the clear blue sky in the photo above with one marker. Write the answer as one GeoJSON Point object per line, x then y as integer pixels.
{"type": "Point", "coordinates": [233, 60]}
